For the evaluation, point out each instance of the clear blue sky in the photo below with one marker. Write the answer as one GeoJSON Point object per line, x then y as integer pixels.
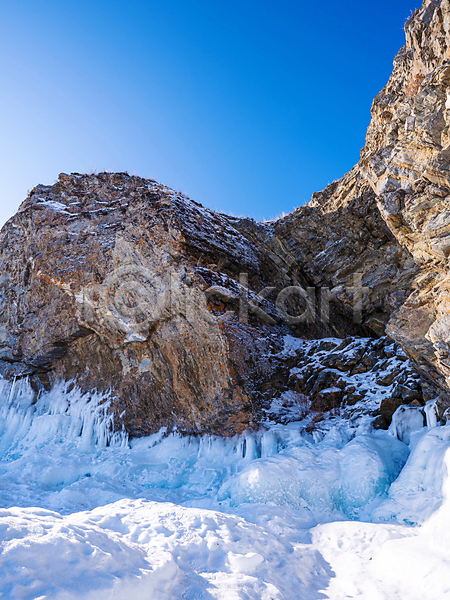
{"type": "Point", "coordinates": [247, 106]}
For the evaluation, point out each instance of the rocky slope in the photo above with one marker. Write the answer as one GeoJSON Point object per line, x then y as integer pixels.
{"type": "Point", "coordinates": [121, 283]}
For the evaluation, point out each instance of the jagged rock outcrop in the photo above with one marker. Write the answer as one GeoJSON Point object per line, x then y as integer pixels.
{"type": "Point", "coordinates": [389, 219]}
{"type": "Point", "coordinates": [355, 378]}
{"type": "Point", "coordinates": [121, 283]}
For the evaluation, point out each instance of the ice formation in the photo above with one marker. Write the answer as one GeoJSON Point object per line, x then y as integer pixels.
{"type": "Point", "coordinates": [278, 514]}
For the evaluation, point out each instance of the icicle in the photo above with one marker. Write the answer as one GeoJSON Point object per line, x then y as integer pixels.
{"type": "Point", "coordinates": [430, 410]}
{"type": "Point", "coordinates": [57, 414]}
{"type": "Point", "coordinates": [405, 420]}
{"type": "Point", "coordinates": [268, 444]}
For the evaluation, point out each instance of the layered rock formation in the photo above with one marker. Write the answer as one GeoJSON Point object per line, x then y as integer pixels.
{"type": "Point", "coordinates": [389, 219]}
{"type": "Point", "coordinates": [121, 283]}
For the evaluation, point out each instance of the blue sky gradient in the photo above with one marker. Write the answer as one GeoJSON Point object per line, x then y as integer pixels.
{"type": "Point", "coordinates": [246, 106]}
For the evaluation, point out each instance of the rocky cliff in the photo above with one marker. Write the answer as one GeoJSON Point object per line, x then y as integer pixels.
{"type": "Point", "coordinates": [388, 219]}
{"type": "Point", "coordinates": [122, 284]}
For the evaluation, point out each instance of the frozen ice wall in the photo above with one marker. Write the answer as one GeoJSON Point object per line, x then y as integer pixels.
{"type": "Point", "coordinates": [63, 453]}
{"type": "Point", "coordinates": [279, 514]}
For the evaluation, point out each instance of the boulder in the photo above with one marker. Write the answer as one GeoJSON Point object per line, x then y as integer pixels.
{"type": "Point", "coordinates": [387, 409]}
{"type": "Point", "coordinates": [327, 400]}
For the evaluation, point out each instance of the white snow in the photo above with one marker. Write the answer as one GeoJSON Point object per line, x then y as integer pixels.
{"type": "Point", "coordinates": [56, 206]}
{"type": "Point", "coordinates": [281, 514]}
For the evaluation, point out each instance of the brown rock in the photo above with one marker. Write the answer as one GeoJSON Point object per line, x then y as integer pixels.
{"type": "Point", "coordinates": [380, 422]}
{"type": "Point", "coordinates": [353, 397]}
{"type": "Point", "coordinates": [386, 379]}
{"type": "Point", "coordinates": [326, 379]}
{"type": "Point", "coordinates": [443, 409]}
{"type": "Point", "coordinates": [407, 394]}
{"type": "Point", "coordinates": [388, 407]}
{"type": "Point", "coordinates": [327, 400]}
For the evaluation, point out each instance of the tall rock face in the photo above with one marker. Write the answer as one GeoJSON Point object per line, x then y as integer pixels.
{"type": "Point", "coordinates": [389, 218]}
{"type": "Point", "coordinates": [122, 284]}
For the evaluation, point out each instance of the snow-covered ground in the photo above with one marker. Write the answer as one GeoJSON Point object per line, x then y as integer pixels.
{"type": "Point", "coordinates": [339, 512]}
